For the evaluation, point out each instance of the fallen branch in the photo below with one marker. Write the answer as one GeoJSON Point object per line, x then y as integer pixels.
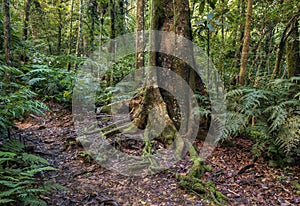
{"type": "Point", "coordinates": [245, 168]}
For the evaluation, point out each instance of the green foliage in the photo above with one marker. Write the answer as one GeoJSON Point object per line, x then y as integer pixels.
{"type": "Point", "coordinates": [112, 85]}
{"type": "Point", "coordinates": [270, 116]}
{"type": "Point", "coordinates": [51, 83]}
{"type": "Point", "coordinates": [19, 173]}
{"type": "Point", "coordinates": [16, 98]}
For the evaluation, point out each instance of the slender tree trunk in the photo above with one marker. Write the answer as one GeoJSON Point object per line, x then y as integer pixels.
{"type": "Point", "coordinates": [79, 35]}
{"type": "Point", "coordinates": [60, 27]}
{"type": "Point", "coordinates": [292, 51]}
{"type": "Point", "coordinates": [93, 5]}
{"type": "Point", "coordinates": [26, 19]}
{"type": "Point", "coordinates": [239, 35]}
{"type": "Point", "coordinates": [140, 19]}
{"type": "Point", "coordinates": [257, 64]}
{"type": "Point", "coordinates": [120, 18]}
{"type": "Point", "coordinates": [70, 34]}
{"type": "Point", "coordinates": [242, 75]}
{"type": "Point", "coordinates": [112, 31]}
{"type": "Point", "coordinates": [268, 47]}
{"type": "Point", "coordinates": [112, 35]}
{"type": "Point", "coordinates": [26, 16]}
{"type": "Point", "coordinates": [7, 29]}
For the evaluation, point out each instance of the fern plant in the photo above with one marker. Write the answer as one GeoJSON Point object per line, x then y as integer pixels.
{"type": "Point", "coordinates": [270, 116]}
{"type": "Point", "coordinates": [16, 98]}
{"type": "Point", "coordinates": [51, 83]}
{"type": "Point", "coordinates": [19, 173]}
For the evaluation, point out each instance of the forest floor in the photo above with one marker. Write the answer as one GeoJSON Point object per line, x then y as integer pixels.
{"type": "Point", "coordinates": [87, 183]}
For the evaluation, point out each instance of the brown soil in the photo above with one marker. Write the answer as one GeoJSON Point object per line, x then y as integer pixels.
{"type": "Point", "coordinates": [87, 183]}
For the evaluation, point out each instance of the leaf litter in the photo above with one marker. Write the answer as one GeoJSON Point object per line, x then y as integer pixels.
{"type": "Point", "coordinates": [87, 183]}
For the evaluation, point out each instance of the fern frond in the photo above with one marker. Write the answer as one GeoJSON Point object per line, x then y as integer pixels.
{"type": "Point", "coordinates": [7, 69]}
{"type": "Point", "coordinates": [39, 69]}
{"type": "Point", "coordinates": [9, 192]}
{"type": "Point", "coordinates": [235, 123]}
{"type": "Point", "coordinates": [35, 81]}
{"type": "Point", "coordinates": [12, 146]}
{"type": "Point", "coordinates": [5, 201]}
{"type": "Point", "coordinates": [34, 201]}
{"type": "Point", "coordinates": [289, 134]}
{"type": "Point", "coordinates": [236, 92]}
{"type": "Point", "coordinates": [33, 159]}
{"type": "Point", "coordinates": [32, 172]}
{"type": "Point", "coordinates": [278, 117]}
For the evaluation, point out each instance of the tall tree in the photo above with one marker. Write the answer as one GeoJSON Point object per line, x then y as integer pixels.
{"type": "Point", "coordinates": [291, 28]}
{"type": "Point", "coordinates": [26, 19]}
{"type": "Point", "coordinates": [60, 26]}
{"type": "Point", "coordinates": [70, 34]}
{"type": "Point", "coordinates": [79, 42]}
{"type": "Point", "coordinates": [140, 26]}
{"type": "Point", "coordinates": [292, 51]}
{"type": "Point", "coordinates": [112, 30]}
{"type": "Point", "coordinates": [172, 17]}
{"type": "Point", "coordinates": [246, 43]}
{"type": "Point", "coordinates": [92, 10]}
{"type": "Point", "coordinates": [7, 30]}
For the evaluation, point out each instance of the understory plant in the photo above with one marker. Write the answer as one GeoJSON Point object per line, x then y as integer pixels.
{"type": "Point", "coordinates": [51, 83]}
{"type": "Point", "coordinates": [270, 116]}
{"type": "Point", "coordinates": [16, 99]}
{"type": "Point", "coordinates": [20, 171]}
{"type": "Point", "coordinates": [20, 176]}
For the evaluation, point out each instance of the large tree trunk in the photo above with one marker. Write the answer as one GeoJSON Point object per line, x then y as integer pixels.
{"type": "Point", "coordinates": [7, 28]}
{"type": "Point", "coordinates": [292, 51]}
{"type": "Point", "coordinates": [246, 44]}
{"type": "Point", "coordinates": [173, 17]}
{"type": "Point", "coordinates": [165, 18]}
{"type": "Point", "coordinates": [285, 35]}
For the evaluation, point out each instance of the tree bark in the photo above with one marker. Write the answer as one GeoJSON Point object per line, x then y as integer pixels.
{"type": "Point", "coordinates": [246, 44]}
{"type": "Point", "coordinates": [70, 34]}
{"type": "Point", "coordinates": [112, 31]}
{"type": "Point", "coordinates": [120, 17]}
{"type": "Point", "coordinates": [140, 19]}
{"type": "Point", "coordinates": [280, 51]}
{"type": "Point", "coordinates": [79, 35]}
{"type": "Point", "coordinates": [60, 27]}
{"type": "Point", "coordinates": [93, 5]}
{"type": "Point", "coordinates": [7, 30]}
{"type": "Point", "coordinates": [26, 19]}
{"type": "Point", "coordinates": [292, 51]}
{"type": "Point", "coordinates": [171, 17]}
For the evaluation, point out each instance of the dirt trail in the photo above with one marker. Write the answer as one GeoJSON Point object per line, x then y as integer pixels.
{"type": "Point", "coordinates": [54, 138]}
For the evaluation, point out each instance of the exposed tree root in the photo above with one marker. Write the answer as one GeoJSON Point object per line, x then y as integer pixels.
{"type": "Point", "coordinates": [192, 182]}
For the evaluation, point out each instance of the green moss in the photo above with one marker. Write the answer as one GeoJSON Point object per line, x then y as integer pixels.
{"type": "Point", "coordinates": [193, 184]}
{"type": "Point", "coordinates": [206, 190]}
